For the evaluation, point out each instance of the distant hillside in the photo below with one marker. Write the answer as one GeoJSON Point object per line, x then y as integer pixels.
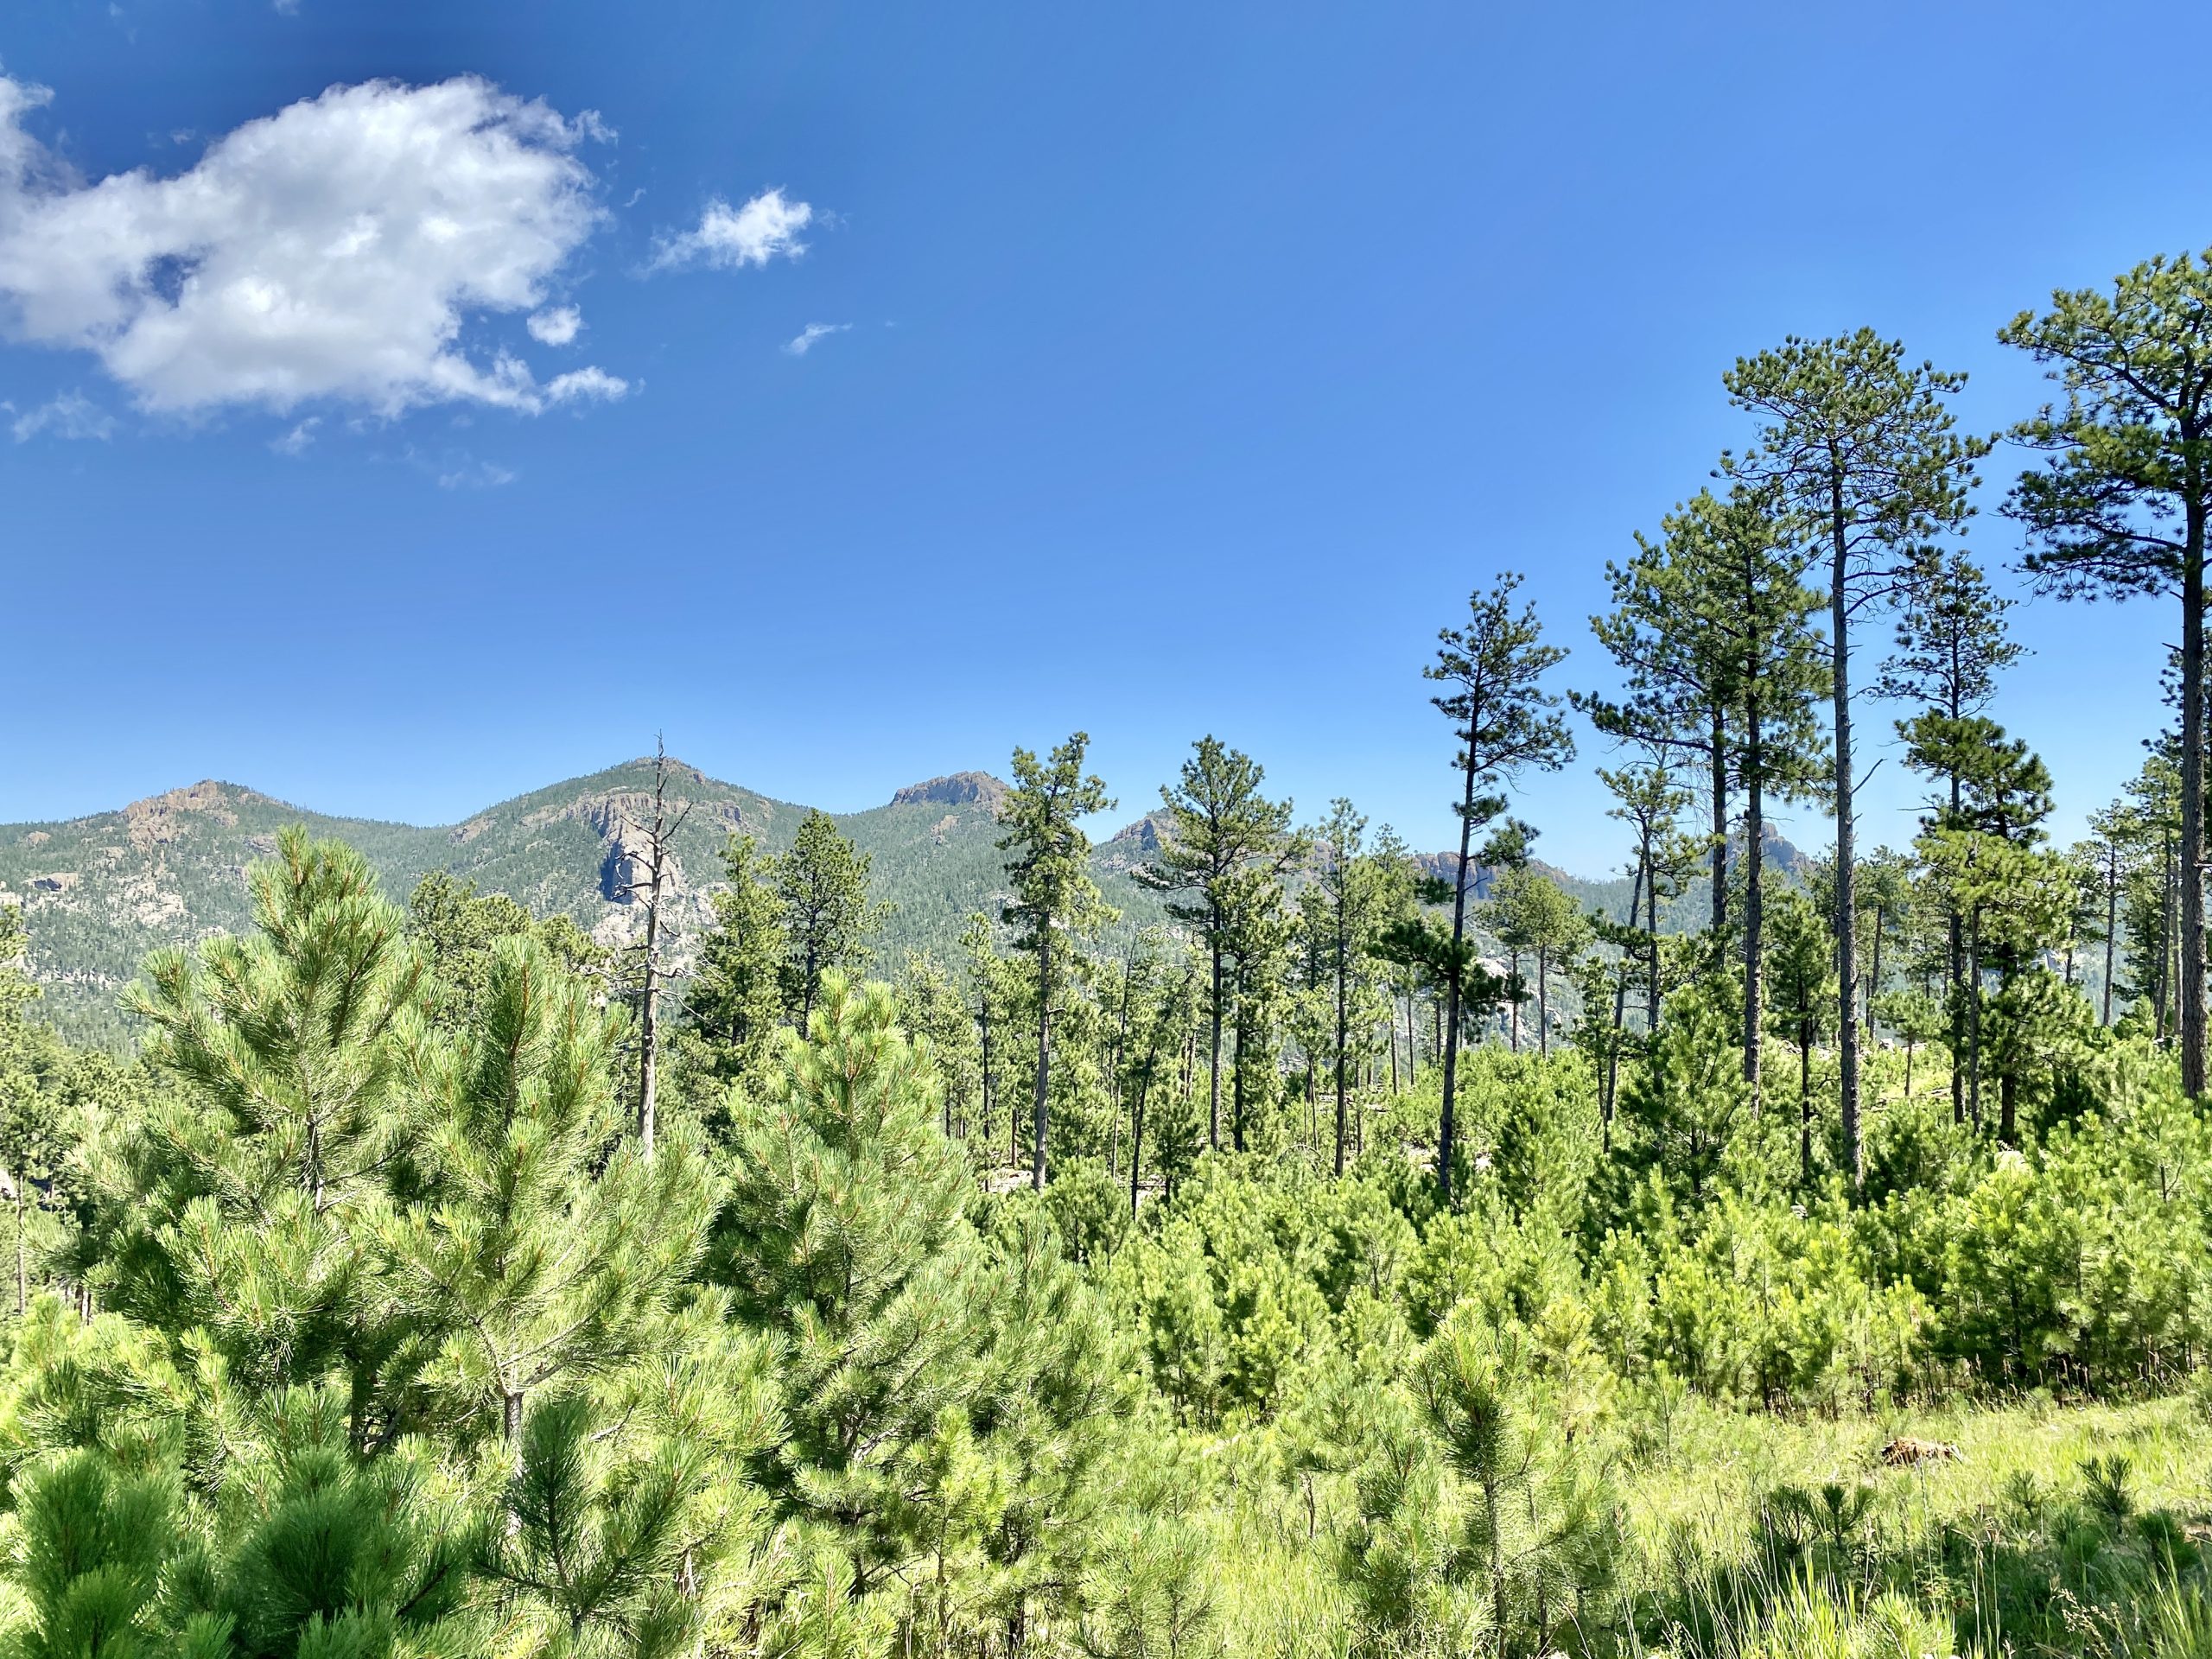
{"type": "Point", "coordinates": [99, 893]}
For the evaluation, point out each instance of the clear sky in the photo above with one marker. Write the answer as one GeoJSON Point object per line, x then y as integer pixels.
{"type": "Point", "coordinates": [854, 392]}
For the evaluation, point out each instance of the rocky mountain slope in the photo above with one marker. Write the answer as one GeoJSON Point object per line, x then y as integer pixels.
{"type": "Point", "coordinates": [99, 893]}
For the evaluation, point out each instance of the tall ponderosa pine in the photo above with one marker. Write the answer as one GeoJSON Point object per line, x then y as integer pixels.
{"type": "Point", "coordinates": [1055, 902]}
{"type": "Point", "coordinates": [1864, 454]}
{"type": "Point", "coordinates": [1219, 826]}
{"type": "Point", "coordinates": [1952, 644]}
{"type": "Point", "coordinates": [1730, 584]}
{"type": "Point", "coordinates": [2122, 505]}
{"type": "Point", "coordinates": [1348, 890]}
{"type": "Point", "coordinates": [822, 881]}
{"type": "Point", "coordinates": [1505, 722]}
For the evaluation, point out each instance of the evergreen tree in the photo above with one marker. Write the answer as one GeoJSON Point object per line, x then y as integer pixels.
{"type": "Point", "coordinates": [2121, 507]}
{"type": "Point", "coordinates": [239, 1214]}
{"type": "Point", "coordinates": [1054, 896]}
{"type": "Point", "coordinates": [534, 1246]}
{"type": "Point", "coordinates": [1952, 644]}
{"type": "Point", "coordinates": [1220, 826]}
{"type": "Point", "coordinates": [1864, 455]}
{"type": "Point", "coordinates": [822, 882]}
{"type": "Point", "coordinates": [736, 999]}
{"type": "Point", "coordinates": [1505, 722]}
{"type": "Point", "coordinates": [1348, 895]}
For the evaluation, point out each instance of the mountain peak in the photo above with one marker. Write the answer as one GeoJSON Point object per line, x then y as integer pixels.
{"type": "Point", "coordinates": [955, 789]}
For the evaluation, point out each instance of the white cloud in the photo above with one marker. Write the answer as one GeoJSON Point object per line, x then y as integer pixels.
{"type": "Point", "coordinates": [732, 237]}
{"type": "Point", "coordinates": [802, 342]}
{"type": "Point", "coordinates": [72, 414]}
{"type": "Point", "coordinates": [554, 326]}
{"type": "Point", "coordinates": [295, 441]}
{"type": "Point", "coordinates": [337, 249]}
{"type": "Point", "coordinates": [585, 384]}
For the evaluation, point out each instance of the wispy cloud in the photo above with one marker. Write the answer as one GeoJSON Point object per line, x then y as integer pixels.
{"type": "Point", "coordinates": [296, 440]}
{"type": "Point", "coordinates": [586, 386]}
{"type": "Point", "coordinates": [72, 414]}
{"type": "Point", "coordinates": [730, 238]}
{"type": "Point", "coordinates": [805, 340]}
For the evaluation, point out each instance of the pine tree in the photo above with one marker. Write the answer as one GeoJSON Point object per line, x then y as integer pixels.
{"type": "Point", "coordinates": [1952, 642]}
{"type": "Point", "coordinates": [1348, 894]}
{"type": "Point", "coordinates": [844, 1236]}
{"type": "Point", "coordinates": [1505, 724]}
{"type": "Point", "coordinates": [2122, 505]}
{"type": "Point", "coordinates": [1220, 825]}
{"type": "Point", "coordinates": [822, 882]}
{"type": "Point", "coordinates": [238, 1209]}
{"type": "Point", "coordinates": [736, 999]}
{"type": "Point", "coordinates": [1864, 455]}
{"type": "Point", "coordinates": [536, 1247]}
{"type": "Point", "coordinates": [1055, 898]}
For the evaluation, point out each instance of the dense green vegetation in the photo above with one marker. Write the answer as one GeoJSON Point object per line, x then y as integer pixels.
{"type": "Point", "coordinates": [1356, 1253]}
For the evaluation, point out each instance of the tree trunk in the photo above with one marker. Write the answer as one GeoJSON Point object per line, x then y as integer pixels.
{"type": "Point", "coordinates": [1456, 973]}
{"type": "Point", "coordinates": [2191, 974]}
{"type": "Point", "coordinates": [1543, 999]}
{"type": "Point", "coordinates": [1754, 900]}
{"type": "Point", "coordinates": [1044, 1052]}
{"type": "Point", "coordinates": [2112, 918]}
{"type": "Point", "coordinates": [1213, 1085]}
{"type": "Point", "coordinates": [1343, 1033]}
{"type": "Point", "coordinates": [1846, 909]}
{"type": "Point", "coordinates": [1620, 1018]}
{"type": "Point", "coordinates": [1719, 820]}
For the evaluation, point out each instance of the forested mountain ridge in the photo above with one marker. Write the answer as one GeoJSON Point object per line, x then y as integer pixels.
{"type": "Point", "coordinates": [99, 893]}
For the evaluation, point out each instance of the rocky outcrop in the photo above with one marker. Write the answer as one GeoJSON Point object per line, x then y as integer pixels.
{"type": "Point", "coordinates": [957, 789]}
{"type": "Point", "coordinates": [158, 820]}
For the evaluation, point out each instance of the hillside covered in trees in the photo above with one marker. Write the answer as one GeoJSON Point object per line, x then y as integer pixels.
{"type": "Point", "coordinates": [927, 1233]}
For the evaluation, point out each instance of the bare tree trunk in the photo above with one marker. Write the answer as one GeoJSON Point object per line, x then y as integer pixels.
{"type": "Point", "coordinates": [1846, 894]}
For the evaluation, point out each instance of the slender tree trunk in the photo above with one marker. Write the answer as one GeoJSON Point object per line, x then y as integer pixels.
{"type": "Point", "coordinates": [1213, 1085]}
{"type": "Point", "coordinates": [1955, 943]}
{"type": "Point", "coordinates": [1805, 1094]}
{"type": "Point", "coordinates": [1344, 1032]}
{"type": "Point", "coordinates": [1543, 999]}
{"type": "Point", "coordinates": [2112, 920]}
{"type": "Point", "coordinates": [1514, 968]}
{"type": "Point", "coordinates": [1719, 820]}
{"type": "Point", "coordinates": [2192, 801]}
{"type": "Point", "coordinates": [1847, 877]}
{"type": "Point", "coordinates": [1652, 937]}
{"type": "Point", "coordinates": [1974, 1022]}
{"type": "Point", "coordinates": [1044, 1052]}
{"type": "Point", "coordinates": [1754, 899]}
{"type": "Point", "coordinates": [1444, 1124]}
{"type": "Point", "coordinates": [1620, 1018]}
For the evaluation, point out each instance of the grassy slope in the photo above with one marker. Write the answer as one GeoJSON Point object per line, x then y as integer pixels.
{"type": "Point", "coordinates": [1693, 1483]}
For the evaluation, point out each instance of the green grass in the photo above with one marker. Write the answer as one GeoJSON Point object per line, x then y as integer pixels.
{"type": "Point", "coordinates": [1999, 1551]}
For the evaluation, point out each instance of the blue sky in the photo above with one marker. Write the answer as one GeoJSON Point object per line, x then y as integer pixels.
{"type": "Point", "coordinates": [1179, 368]}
